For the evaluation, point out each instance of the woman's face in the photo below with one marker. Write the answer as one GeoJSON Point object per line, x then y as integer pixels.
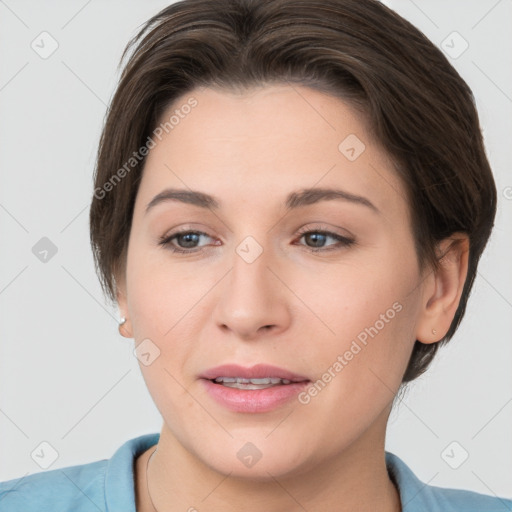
{"type": "Point", "coordinates": [260, 283]}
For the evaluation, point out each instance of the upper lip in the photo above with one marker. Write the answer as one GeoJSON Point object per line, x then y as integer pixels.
{"type": "Point", "coordinates": [259, 371]}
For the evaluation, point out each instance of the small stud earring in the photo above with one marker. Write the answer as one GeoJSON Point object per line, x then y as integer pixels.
{"type": "Point", "coordinates": [122, 321]}
{"type": "Point", "coordinates": [434, 331]}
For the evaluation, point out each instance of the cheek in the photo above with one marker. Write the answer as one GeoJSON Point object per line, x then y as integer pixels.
{"type": "Point", "coordinates": [160, 292]}
{"type": "Point", "coordinates": [363, 307]}
{"type": "Point", "coordinates": [364, 322]}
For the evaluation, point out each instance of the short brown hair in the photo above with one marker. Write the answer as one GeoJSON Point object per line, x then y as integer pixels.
{"type": "Point", "coordinates": [418, 108]}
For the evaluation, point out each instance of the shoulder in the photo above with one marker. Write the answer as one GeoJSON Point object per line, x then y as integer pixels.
{"type": "Point", "coordinates": [469, 501]}
{"type": "Point", "coordinates": [98, 486]}
{"type": "Point", "coordinates": [417, 496]}
{"type": "Point", "coordinates": [79, 488]}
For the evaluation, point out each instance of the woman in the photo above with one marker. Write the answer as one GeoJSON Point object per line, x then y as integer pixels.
{"type": "Point", "coordinates": [290, 203]}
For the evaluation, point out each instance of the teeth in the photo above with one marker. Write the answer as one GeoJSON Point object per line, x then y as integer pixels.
{"type": "Point", "coordinates": [241, 383]}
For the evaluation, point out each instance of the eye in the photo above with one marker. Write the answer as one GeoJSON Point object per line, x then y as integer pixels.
{"type": "Point", "coordinates": [187, 240]}
{"type": "Point", "coordinates": [319, 236]}
{"type": "Point", "coordinates": [186, 237]}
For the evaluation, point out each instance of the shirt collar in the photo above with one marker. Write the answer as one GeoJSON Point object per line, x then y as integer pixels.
{"type": "Point", "coordinates": [413, 492]}
{"type": "Point", "coordinates": [119, 475]}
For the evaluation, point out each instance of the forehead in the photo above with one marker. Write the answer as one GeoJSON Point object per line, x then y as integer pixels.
{"type": "Point", "coordinates": [267, 140]}
{"type": "Point", "coordinates": [288, 115]}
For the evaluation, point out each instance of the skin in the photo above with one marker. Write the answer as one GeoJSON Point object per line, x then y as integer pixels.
{"type": "Point", "coordinates": [211, 307]}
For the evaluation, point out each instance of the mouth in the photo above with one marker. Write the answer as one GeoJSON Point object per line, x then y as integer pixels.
{"type": "Point", "coordinates": [241, 383]}
{"type": "Point", "coordinates": [260, 376]}
{"type": "Point", "coordinates": [258, 389]}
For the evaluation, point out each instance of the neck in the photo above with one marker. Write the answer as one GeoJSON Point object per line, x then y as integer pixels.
{"type": "Point", "coordinates": [355, 479]}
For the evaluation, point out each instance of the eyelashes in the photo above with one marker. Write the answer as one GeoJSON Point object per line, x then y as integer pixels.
{"type": "Point", "coordinates": [343, 241]}
{"type": "Point", "coordinates": [188, 236]}
{"type": "Point", "coordinates": [166, 241]}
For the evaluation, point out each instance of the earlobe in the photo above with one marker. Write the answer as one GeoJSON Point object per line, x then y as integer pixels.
{"type": "Point", "coordinates": [125, 328]}
{"type": "Point", "coordinates": [443, 289]}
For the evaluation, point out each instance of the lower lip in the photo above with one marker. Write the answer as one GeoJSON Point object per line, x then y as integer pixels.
{"type": "Point", "coordinates": [253, 400]}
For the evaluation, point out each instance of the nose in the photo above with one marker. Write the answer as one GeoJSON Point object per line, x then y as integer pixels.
{"type": "Point", "coordinates": [253, 301]}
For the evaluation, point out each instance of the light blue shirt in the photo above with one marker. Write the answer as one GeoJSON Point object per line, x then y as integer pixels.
{"type": "Point", "coordinates": [108, 486]}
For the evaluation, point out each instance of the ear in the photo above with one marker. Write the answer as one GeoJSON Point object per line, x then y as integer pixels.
{"type": "Point", "coordinates": [443, 288]}
{"type": "Point", "coordinates": [121, 296]}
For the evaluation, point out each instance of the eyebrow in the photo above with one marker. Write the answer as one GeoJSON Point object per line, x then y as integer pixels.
{"type": "Point", "coordinates": [294, 200]}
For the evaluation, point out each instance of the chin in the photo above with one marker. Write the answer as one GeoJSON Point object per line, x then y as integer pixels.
{"type": "Point", "coordinates": [258, 459]}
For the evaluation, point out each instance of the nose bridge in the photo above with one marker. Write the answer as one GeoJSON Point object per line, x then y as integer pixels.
{"type": "Point", "coordinates": [252, 296]}
{"type": "Point", "coordinates": [250, 276]}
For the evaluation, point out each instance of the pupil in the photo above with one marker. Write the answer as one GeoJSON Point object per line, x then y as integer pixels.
{"type": "Point", "coordinates": [187, 237]}
{"type": "Point", "coordinates": [315, 236]}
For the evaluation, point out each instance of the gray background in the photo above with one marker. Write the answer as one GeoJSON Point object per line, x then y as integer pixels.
{"type": "Point", "coordinates": [69, 379]}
